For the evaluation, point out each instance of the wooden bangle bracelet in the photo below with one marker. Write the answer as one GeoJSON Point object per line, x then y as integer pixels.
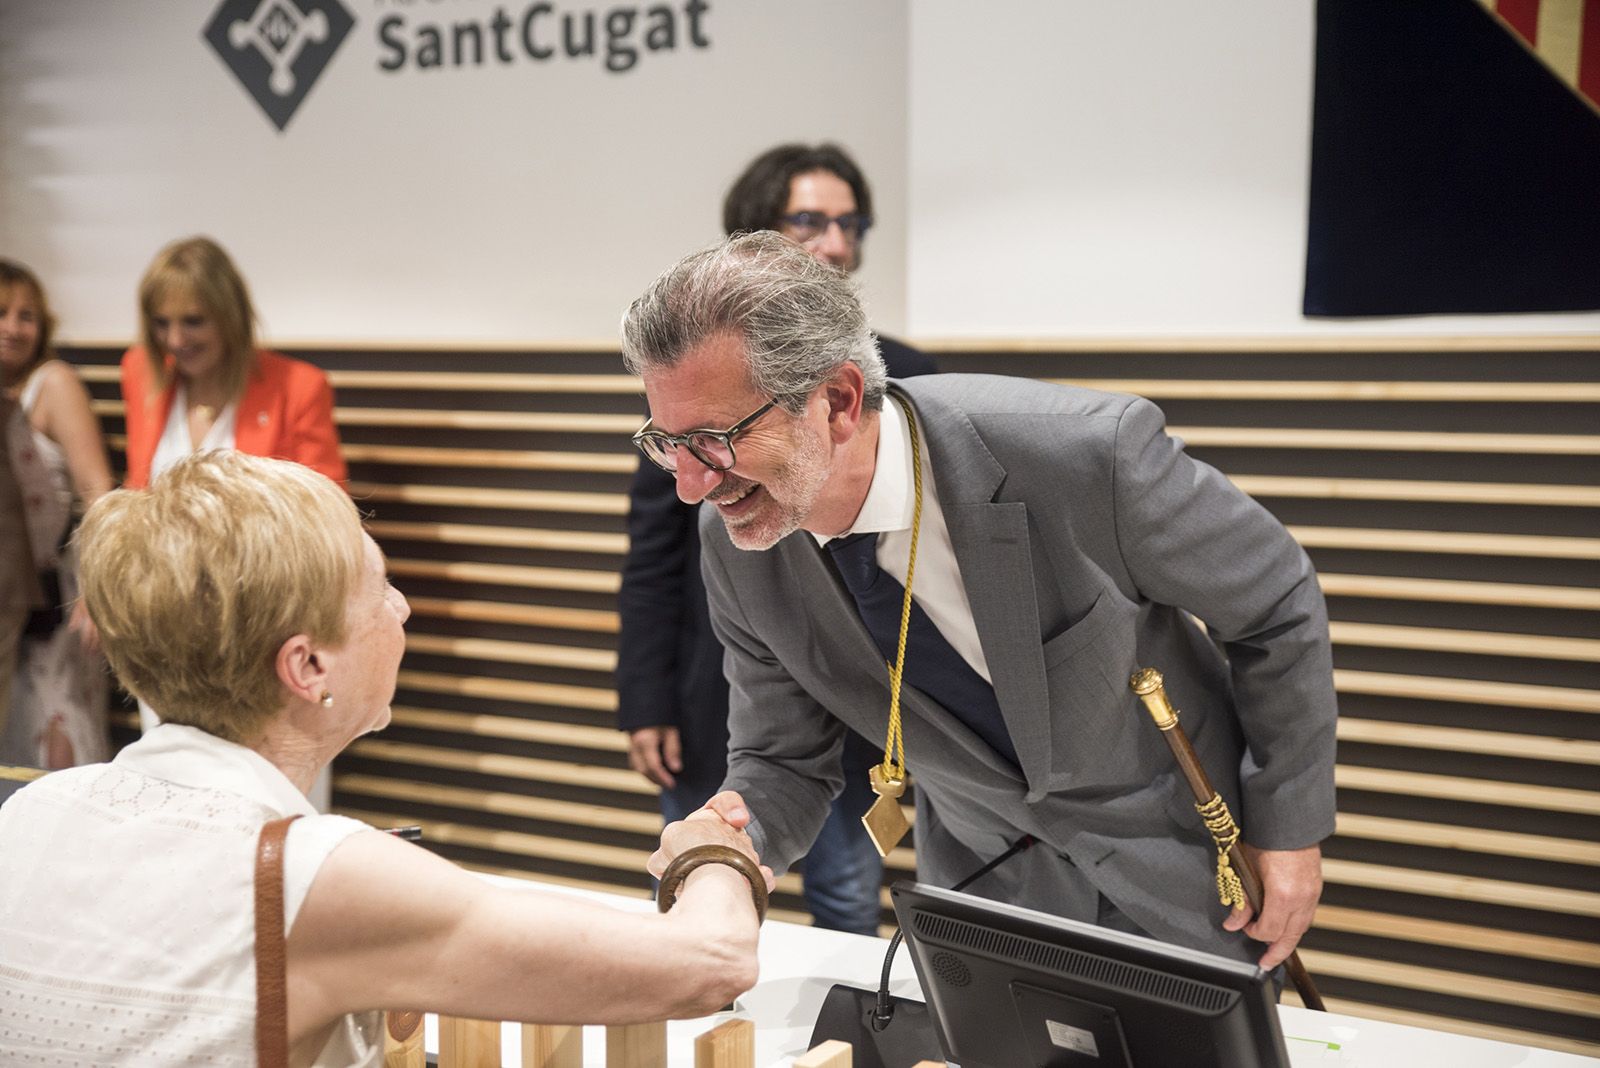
{"type": "Point", "coordinates": [700, 855]}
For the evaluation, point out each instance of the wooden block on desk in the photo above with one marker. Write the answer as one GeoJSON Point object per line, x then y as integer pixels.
{"type": "Point", "coordinates": [831, 1054]}
{"type": "Point", "coordinates": [637, 1045]}
{"type": "Point", "coordinates": [467, 1043]}
{"type": "Point", "coordinates": [402, 1040]}
{"type": "Point", "coordinates": [552, 1046]}
{"type": "Point", "coordinates": [727, 1045]}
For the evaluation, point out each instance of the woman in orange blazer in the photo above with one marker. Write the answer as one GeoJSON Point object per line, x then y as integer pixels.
{"type": "Point", "coordinates": [199, 382]}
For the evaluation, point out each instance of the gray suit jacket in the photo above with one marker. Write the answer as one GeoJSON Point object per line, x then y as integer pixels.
{"type": "Point", "coordinates": [1085, 537]}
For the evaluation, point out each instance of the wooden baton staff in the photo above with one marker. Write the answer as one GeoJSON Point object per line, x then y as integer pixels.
{"type": "Point", "coordinates": [1237, 881]}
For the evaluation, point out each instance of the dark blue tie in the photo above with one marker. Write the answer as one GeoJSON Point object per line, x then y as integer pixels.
{"type": "Point", "coordinates": [932, 665]}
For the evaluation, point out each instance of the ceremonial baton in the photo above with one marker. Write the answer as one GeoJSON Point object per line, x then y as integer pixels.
{"type": "Point", "coordinates": [1237, 881]}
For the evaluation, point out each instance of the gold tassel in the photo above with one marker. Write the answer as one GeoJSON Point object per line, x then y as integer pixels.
{"type": "Point", "coordinates": [1219, 821]}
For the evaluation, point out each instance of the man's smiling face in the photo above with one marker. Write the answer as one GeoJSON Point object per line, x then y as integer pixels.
{"type": "Point", "coordinates": [782, 461]}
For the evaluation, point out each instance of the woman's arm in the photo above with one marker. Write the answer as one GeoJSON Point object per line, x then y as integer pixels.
{"type": "Point", "coordinates": [389, 925]}
{"type": "Point", "coordinates": [63, 414]}
{"type": "Point", "coordinates": [310, 436]}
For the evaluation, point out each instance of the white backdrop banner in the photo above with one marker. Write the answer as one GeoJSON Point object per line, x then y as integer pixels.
{"type": "Point", "coordinates": [425, 170]}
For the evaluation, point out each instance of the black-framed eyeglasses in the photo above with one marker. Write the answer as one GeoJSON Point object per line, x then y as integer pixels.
{"type": "Point", "coordinates": [714, 448]}
{"type": "Point", "coordinates": [806, 226]}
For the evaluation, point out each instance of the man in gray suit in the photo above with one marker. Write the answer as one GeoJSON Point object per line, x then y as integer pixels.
{"type": "Point", "coordinates": [1064, 540]}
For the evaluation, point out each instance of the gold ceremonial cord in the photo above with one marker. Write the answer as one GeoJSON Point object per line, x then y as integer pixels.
{"type": "Point", "coordinates": [1219, 821]}
{"type": "Point", "coordinates": [894, 747]}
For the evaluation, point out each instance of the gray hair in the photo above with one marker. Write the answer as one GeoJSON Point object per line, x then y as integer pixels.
{"type": "Point", "coordinates": [800, 319]}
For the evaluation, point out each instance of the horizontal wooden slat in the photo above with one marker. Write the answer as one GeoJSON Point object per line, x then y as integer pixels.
{"type": "Point", "coordinates": [483, 497]}
{"type": "Point", "coordinates": [537, 578]}
{"type": "Point", "coordinates": [521, 615]}
{"type": "Point", "coordinates": [1240, 437]}
{"type": "Point", "coordinates": [1459, 740]}
{"type": "Point", "coordinates": [1466, 691]}
{"type": "Point", "coordinates": [576, 541]}
{"type": "Point", "coordinates": [496, 459]}
{"type": "Point", "coordinates": [1473, 791]}
{"type": "Point", "coordinates": [459, 419]}
{"type": "Point", "coordinates": [564, 656]}
{"type": "Point", "coordinates": [537, 693]}
{"type": "Point", "coordinates": [1442, 346]}
{"type": "Point", "coordinates": [1447, 541]}
{"type": "Point", "coordinates": [1487, 643]}
{"type": "Point", "coordinates": [1457, 984]}
{"type": "Point", "coordinates": [548, 810]}
{"type": "Point", "coordinates": [1342, 390]}
{"type": "Point", "coordinates": [487, 381]}
{"type": "Point", "coordinates": [1469, 839]}
{"type": "Point", "coordinates": [1461, 887]}
{"type": "Point", "coordinates": [1457, 935]}
{"type": "Point", "coordinates": [547, 732]}
{"type": "Point", "coordinates": [564, 772]}
{"type": "Point", "coordinates": [1454, 591]}
{"type": "Point", "coordinates": [1377, 489]}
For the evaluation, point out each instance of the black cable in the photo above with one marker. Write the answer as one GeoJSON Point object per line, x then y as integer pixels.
{"type": "Point", "coordinates": [885, 1012]}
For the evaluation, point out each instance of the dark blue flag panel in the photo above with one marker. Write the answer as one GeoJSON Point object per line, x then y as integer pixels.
{"type": "Point", "coordinates": [1451, 171]}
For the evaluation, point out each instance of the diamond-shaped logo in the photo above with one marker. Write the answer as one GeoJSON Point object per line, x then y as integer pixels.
{"type": "Point", "coordinates": [278, 48]}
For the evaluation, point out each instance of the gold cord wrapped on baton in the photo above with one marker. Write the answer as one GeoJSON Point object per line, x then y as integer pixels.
{"type": "Point", "coordinates": [1237, 881]}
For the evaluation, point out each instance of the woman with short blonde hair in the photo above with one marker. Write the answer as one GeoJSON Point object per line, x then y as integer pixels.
{"type": "Point", "coordinates": [243, 594]}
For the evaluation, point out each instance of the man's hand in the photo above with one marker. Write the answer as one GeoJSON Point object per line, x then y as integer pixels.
{"type": "Point", "coordinates": [655, 753]}
{"type": "Point", "coordinates": [720, 822]}
{"type": "Point", "coordinates": [1291, 883]}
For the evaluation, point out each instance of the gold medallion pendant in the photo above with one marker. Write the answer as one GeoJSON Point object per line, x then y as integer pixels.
{"type": "Point", "coordinates": [885, 821]}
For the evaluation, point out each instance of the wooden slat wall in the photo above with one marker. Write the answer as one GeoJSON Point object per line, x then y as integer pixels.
{"type": "Point", "coordinates": [1447, 491]}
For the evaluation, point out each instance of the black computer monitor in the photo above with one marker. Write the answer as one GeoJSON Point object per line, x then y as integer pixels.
{"type": "Point", "coordinates": [1012, 988]}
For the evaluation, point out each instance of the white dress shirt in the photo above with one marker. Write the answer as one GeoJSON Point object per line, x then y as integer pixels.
{"type": "Point", "coordinates": [888, 511]}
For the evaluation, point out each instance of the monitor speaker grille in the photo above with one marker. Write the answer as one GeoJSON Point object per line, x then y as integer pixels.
{"type": "Point", "coordinates": [949, 969]}
{"type": "Point", "coordinates": [1173, 990]}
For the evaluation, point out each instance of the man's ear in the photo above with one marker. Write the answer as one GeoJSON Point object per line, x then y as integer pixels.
{"type": "Point", "coordinates": [301, 668]}
{"type": "Point", "coordinates": [844, 391]}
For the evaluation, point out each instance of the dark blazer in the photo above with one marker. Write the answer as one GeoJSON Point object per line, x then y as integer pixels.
{"type": "Point", "coordinates": [1086, 537]}
{"type": "Point", "coordinates": [669, 663]}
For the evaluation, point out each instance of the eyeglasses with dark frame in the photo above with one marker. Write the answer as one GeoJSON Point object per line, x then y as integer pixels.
{"type": "Point", "coordinates": [714, 448]}
{"type": "Point", "coordinates": [805, 226]}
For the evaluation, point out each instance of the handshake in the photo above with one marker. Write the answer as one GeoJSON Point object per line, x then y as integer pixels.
{"type": "Point", "coordinates": [721, 822]}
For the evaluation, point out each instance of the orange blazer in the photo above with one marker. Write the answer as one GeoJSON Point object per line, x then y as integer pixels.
{"type": "Point", "coordinates": [286, 413]}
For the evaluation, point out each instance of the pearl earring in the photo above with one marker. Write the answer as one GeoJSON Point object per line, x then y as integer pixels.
{"type": "Point", "coordinates": [327, 699]}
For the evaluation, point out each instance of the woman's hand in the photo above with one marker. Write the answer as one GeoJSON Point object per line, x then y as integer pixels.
{"type": "Point", "coordinates": [81, 625]}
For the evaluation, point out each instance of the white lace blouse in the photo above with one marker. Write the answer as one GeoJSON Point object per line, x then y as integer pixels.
{"type": "Point", "coordinates": [127, 909]}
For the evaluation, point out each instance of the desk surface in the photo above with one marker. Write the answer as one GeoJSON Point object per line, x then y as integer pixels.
{"type": "Point", "coordinates": [800, 964]}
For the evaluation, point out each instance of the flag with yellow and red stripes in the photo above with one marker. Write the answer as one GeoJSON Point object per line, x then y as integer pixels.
{"type": "Point", "coordinates": [1564, 34]}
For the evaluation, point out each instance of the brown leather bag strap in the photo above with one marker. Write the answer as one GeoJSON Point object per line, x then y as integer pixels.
{"type": "Point", "coordinates": [272, 985]}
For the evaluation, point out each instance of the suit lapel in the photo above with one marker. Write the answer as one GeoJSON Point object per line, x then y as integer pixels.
{"type": "Point", "coordinates": [990, 539]}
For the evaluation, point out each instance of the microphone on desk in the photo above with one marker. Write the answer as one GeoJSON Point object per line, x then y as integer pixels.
{"type": "Point", "coordinates": [886, 1031]}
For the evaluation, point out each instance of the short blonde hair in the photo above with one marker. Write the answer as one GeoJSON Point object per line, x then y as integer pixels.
{"type": "Point", "coordinates": [198, 267]}
{"type": "Point", "coordinates": [196, 582]}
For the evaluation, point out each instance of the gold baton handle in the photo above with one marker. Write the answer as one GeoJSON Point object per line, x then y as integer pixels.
{"type": "Point", "coordinates": [1237, 879]}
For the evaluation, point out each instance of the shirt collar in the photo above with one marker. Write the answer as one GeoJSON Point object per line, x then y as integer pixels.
{"type": "Point", "coordinates": [889, 505]}
{"type": "Point", "coordinates": [189, 756]}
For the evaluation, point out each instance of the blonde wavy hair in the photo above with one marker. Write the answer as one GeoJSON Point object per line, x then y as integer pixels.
{"type": "Point", "coordinates": [197, 581]}
{"type": "Point", "coordinates": [198, 267]}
